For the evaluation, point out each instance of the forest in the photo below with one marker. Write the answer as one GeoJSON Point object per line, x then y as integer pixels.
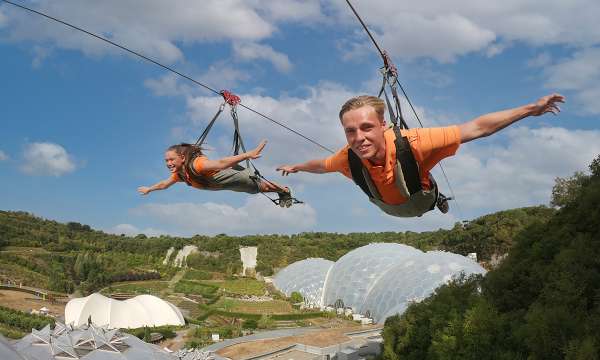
{"type": "Point", "coordinates": [542, 302]}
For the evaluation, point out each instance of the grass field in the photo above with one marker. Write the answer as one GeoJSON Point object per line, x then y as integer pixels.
{"type": "Point", "coordinates": [243, 287]}
{"type": "Point", "coordinates": [139, 287]}
{"type": "Point", "coordinates": [252, 307]}
{"type": "Point", "coordinates": [21, 274]}
{"type": "Point", "coordinates": [192, 274]}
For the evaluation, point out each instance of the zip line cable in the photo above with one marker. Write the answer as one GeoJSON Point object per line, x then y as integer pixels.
{"type": "Point", "coordinates": [383, 56]}
{"type": "Point", "coordinates": [168, 68]}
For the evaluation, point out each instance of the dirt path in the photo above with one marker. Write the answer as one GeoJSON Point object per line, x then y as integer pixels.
{"type": "Point", "coordinates": [25, 302]}
{"type": "Point", "coordinates": [175, 279]}
{"type": "Point", "coordinates": [177, 342]}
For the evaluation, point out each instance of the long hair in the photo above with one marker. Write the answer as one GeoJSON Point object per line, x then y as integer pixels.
{"type": "Point", "coordinates": [189, 152]}
{"type": "Point", "coordinates": [185, 149]}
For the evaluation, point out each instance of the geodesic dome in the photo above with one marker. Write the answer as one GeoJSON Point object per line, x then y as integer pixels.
{"type": "Point", "coordinates": [306, 277]}
{"type": "Point", "coordinates": [380, 278]}
{"type": "Point", "coordinates": [142, 310]}
{"type": "Point", "coordinates": [353, 275]}
{"type": "Point", "coordinates": [414, 279]}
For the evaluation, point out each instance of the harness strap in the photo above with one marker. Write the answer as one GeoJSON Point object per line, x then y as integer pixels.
{"type": "Point", "coordinates": [405, 156]}
{"type": "Point", "coordinates": [204, 134]}
{"type": "Point", "coordinates": [356, 167]}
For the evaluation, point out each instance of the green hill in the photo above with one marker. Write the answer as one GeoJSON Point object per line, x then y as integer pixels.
{"type": "Point", "coordinates": [64, 257]}
{"type": "Point", "coordinates": [542, 302]}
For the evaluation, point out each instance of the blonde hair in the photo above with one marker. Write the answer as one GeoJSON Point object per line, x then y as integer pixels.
{"type": "Point", "coordinates": [364, 100]}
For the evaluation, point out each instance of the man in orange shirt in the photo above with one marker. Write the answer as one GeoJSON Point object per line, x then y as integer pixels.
{"type": "Point", "coordinates": [373, 146]}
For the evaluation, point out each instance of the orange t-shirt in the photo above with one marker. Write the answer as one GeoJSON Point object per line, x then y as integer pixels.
{"type": "Point", "coordinates": [429, 146]}
{"type": "Point", "coordinates": [198, 165]}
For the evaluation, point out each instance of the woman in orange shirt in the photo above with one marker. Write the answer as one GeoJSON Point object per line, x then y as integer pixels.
{"type": "Point", "coordinates": [188, 164]}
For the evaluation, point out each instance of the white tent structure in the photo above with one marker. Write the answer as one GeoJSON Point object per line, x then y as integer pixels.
{"type": "Point", "coordinates": [142, 310]}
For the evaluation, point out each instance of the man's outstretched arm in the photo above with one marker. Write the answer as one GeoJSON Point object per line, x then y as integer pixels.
{"type": "Point", "coordinates": [316, 166]}
{"type": "Point", "coordinates": [488, 124]}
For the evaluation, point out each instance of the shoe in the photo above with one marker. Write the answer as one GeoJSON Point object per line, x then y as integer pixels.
{"type": "Point", "coordinates": [285, 199]}
{"type": "Point", "coordinates": [442, 204]}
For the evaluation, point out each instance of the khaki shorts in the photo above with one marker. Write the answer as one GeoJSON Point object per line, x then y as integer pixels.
{"type": "Point", "coordinates": [235, 180]}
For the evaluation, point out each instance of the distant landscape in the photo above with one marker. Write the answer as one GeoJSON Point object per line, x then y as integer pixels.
{"type": "Point", "coordinates": [541, 296]}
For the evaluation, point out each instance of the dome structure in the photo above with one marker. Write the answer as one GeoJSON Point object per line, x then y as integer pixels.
{"type": "Point", "coordinates": [380, 279]}
{"type": "Point", "coordinates": [355, 273]}
{"type": "Point", "coordinates": [306, 277]}
{"type": "Point", "coordinates": [142, 310]}
{"type": "Point", "coordinates": [414, 279]}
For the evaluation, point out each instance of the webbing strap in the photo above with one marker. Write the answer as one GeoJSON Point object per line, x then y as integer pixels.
{"type": "Point", "coordinates": [204, 134]}
{"type": "Point", "coordinates": [238, 143]}
{"type": "Point", "coordinates": [405, 156]}
{"type": "Point", "coordinates": [356, 167]}
{"type": "Point", "coordinates": [393, 117]}
{"type": "Point", "coordinates": [396, 117]}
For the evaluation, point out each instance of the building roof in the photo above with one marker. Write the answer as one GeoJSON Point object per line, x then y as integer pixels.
{"type": "Point", "coordinates": [142, 310]}
{"type": "Point", "coordinates": [86, 343]}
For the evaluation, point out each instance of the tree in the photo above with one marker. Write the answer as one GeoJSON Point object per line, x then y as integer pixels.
{"type": "Point", "coordinates": [566, 189]}
{"type": "Point", "coordinates": [296, 297]}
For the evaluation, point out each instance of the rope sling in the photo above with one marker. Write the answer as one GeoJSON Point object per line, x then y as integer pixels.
{"type": "Point", "coordinates": [232, 100]}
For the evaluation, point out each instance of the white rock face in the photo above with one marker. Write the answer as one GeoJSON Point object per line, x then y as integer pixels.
{"type": "Point", "coordinates": [180, 259]}
{"type": "Point", "coordinates": [168, 256]}
{"type": "Point", "coordinates": [248, 256]}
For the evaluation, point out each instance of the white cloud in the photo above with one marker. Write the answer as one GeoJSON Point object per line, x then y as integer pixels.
{"type": "Point", "coordinates": [46, 159]}
{"type": "Point", "coordinates": [131, 230]}
{"type": "Point", "coordinates": [257, 215]}
{"type": "Point", "coordinates": [253, 51]}
{"type": "Point", "coordinates": [488, 177]}
{"type": "Point", "coordinates": [3, 19]}
{"type": "Point", "coordinates": [290, 10]}
{"type": "Point", "coordinates": [40, 53]}
{"type": "Point", "coordinates": [155, 28]}
{"type": "Point", "coordinates": [3, 156]}
{"type": "Point", "coordinates": [540, 60]}
{"type": "Point", "coordinates": [444, 30]}
{"type": "Point", "coordinates": [580, 74]}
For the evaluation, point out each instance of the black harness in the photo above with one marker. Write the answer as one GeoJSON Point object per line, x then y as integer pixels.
{"type": "Point", "coordinates": [404, 155]}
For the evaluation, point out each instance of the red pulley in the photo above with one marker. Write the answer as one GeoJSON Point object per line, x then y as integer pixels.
{"type": "Point", "coordinates": [230, 98]}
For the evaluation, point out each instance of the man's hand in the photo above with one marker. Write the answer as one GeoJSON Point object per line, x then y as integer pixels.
{"type": "Point", "coordinates": [547, 104]}
{"type": "Point", "coordinates": [144, 190]}
{"type": "Point", "coordinates": [287, 169]}
{"type": "Point", "coordinates": [255, 154]}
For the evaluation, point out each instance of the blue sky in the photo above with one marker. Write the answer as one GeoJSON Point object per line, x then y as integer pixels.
{"type": "Point", "coordinates": [84, 124]}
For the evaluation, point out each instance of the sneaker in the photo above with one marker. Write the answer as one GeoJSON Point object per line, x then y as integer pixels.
{"type": "Point", "coordinates": [285, 199]}
{"type": "Point", "coordinates": [442, 203]}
